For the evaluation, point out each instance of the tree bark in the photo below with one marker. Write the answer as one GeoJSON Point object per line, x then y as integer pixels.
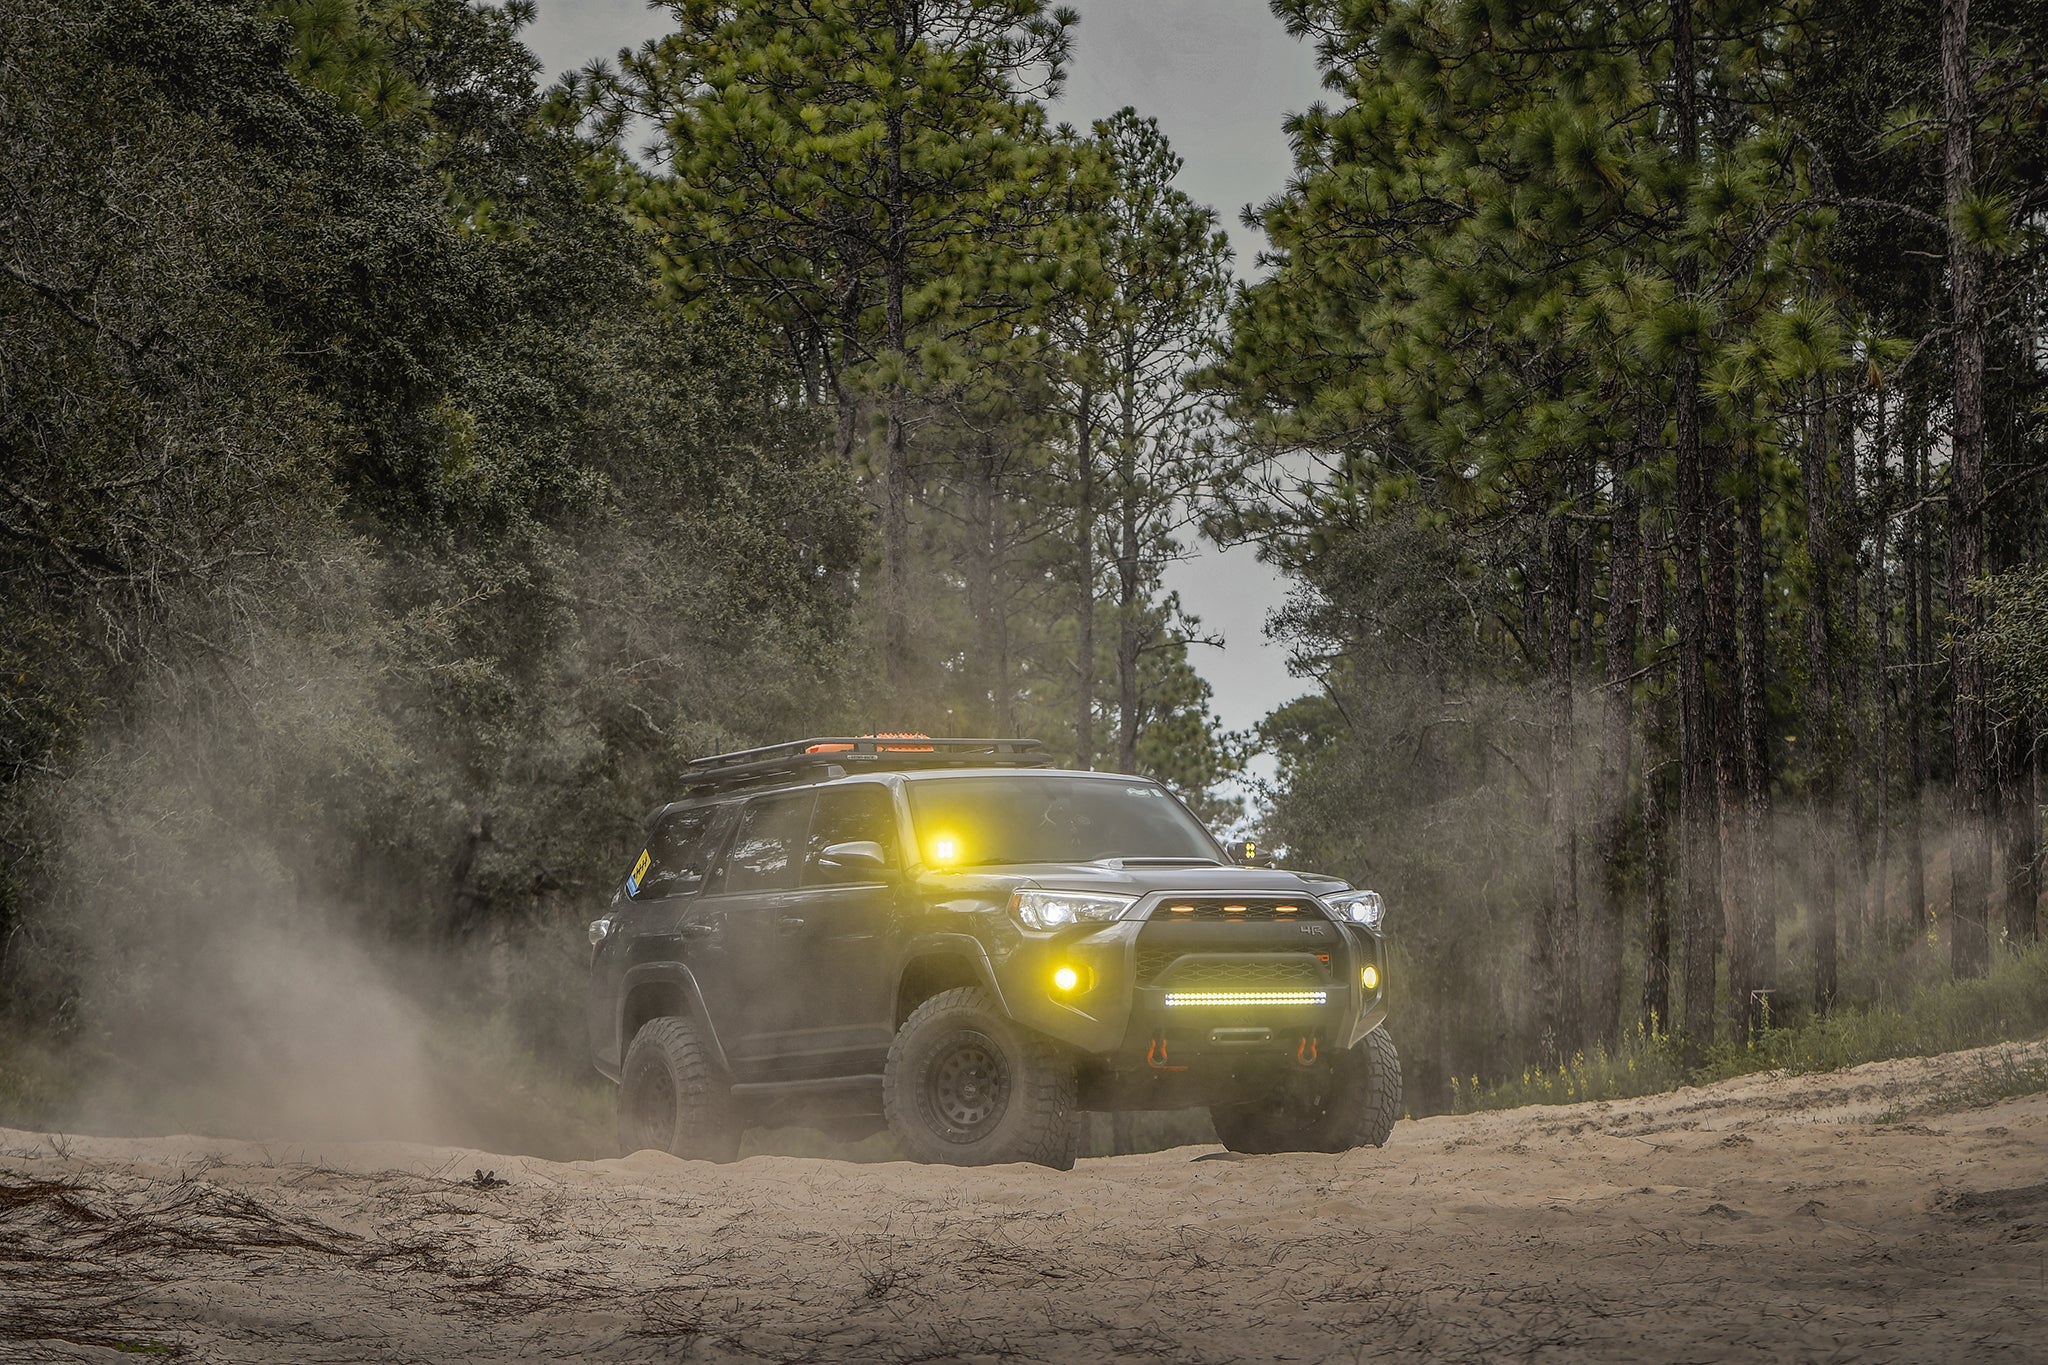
{"type": "Point", "coordinates": [1084, 605]}
{"type": "Point", "coordinates": [1917, 604]}
{"type": "Point", "coordinates": [1881, 621]}
{"type": "Point", "coordinates": [1819, 738]}
{"type": "Point", "coordinates": [1699, 867]}
{"type": "Point", "coordinates": [1970, 868]}
{"type": "Point", "coordinates": [2023, 910]}
{"type": "Point", "coordinates": [1617, 727]}
{"type": "Point", "coordinates": [1130, 584]}
{"type": "Point", "coordinates": [1656, 1010]}
{"type": "Point", "coordinates": [1757, 946]}
{"type": "Point", "coordinates": [1853, 734]}
{"type": "Point", "coordinates": [1723, 682]}
{"type": "Point", "coordinates": [1558, 941]}
{"type": "Point", "coordinates": [895, 471]}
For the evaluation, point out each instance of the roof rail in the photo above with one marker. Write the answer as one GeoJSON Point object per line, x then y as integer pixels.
{"type": "Point", "coordinates": [879, 753]}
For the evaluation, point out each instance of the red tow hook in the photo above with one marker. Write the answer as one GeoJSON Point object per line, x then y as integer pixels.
{"type": "Point", "coordinates": [1305, 1053]}
{"type": "Point", "coordinates": [1155, 1057]}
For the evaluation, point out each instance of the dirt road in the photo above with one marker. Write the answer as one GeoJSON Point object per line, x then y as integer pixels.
{"type": "Point", "coordinates": [1884, 1213]}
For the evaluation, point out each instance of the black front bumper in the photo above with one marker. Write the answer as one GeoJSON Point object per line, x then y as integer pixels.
{"type": "Point", "coordinates": [1166, 1004]}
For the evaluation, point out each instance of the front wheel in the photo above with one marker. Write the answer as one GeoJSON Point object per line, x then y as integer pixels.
{"type": "Point", "coordinates": [1355, 1106]}
{"type": "Point", "coordinates": [966, 1086]}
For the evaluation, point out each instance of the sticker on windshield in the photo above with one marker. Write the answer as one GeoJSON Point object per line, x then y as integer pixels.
{"type": "Point", "coordinates": [1141, 791]}
{"type": "Point", "coordinates": [639, 871]}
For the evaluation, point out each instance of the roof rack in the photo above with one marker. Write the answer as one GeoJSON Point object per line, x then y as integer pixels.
{"type": "Point", "coordinates": [880, 753]}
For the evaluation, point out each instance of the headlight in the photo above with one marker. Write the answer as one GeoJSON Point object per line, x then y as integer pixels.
{"type": "Point", "coordinates": [1360, 907]}
{"type": "Point", "coordinates": [1057, 909]}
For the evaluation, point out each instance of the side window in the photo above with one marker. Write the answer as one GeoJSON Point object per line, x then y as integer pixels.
{"type": "Point", "coordinates": [849, 815]}
{"type": "Point", "coordinates": [676, 857]}
{"type": "Point", "coordinates": [767, 845]}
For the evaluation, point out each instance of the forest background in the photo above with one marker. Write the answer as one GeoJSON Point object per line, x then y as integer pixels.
{"type": "Point", "coordinates": [405, 475]}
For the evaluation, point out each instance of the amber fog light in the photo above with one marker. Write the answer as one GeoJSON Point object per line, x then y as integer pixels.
{"type": "Point", "coordinates": [1370, 977]}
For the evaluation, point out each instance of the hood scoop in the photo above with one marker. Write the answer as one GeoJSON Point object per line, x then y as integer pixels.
{"type": "Point", "coordinates": [1119, 864]}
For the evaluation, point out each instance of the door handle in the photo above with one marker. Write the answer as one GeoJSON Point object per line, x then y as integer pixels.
{"type": "Point", "coordinates": [789, 924]}
{"type": "Point", "coordinates": [697, 930]}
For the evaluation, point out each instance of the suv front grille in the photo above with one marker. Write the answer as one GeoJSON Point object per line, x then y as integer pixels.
{"type": "Point", "coordinates": [1236, 909]}
{"type": "Point", "coordinates": [1276, 967]}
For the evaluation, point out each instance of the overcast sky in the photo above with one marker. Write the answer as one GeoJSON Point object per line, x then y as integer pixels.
{"type": "Point", "coordinates": [1219, 75]}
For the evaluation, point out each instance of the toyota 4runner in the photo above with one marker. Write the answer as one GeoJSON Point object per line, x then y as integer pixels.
{"type": "Point", "coordinates": [949, 937]}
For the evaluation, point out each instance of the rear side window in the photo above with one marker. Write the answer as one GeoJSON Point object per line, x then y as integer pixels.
{"type": "Point", "coordinates": [677, 857]}
{"type": "Point", "coordinates": [847, 815]}
{"type": "Point", "coordinates": [768, 844]}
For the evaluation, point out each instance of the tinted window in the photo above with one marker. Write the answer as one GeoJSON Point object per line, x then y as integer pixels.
{"type": "Point", "coordinates": [972, 821]}
{"type": "Point", "coordinates": [677, 856]}
{"type": "Point", "coordinates": [767, 844]}
{"type": "Point", "coordinates": [848, 815]}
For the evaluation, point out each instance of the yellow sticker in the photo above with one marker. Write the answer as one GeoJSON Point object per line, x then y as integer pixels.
{"type": "Point", "coordinates": [639, 870]}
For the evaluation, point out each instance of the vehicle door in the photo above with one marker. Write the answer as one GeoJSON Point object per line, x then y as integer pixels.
{"type": "Point", "coordinates": [649, 915]}
{"type": "Point", "coordinates": [843, 927]}
{"type": "Point", "coordinates": [748, 916]}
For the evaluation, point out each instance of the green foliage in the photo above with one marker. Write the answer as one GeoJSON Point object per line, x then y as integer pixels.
{"type": "Point", "coordinates": [1945, 1016]}
{"type": "Point", "coordinates": [355, 458]}
{"type": "Point", "coordinates": [2015, 637]}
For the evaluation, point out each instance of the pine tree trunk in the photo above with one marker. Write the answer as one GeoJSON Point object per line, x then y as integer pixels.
{"type": "Point", "coordinates": [1084, 605]}
{"type": "Point", "coordinates": [2023, 910]}
{"type": "Point", "coordinates": [979, 573]}
{"type": "Point", "coordinates": [1759, 945]}
{"type": "Point", "coordinates": [1819, 738]}
{"type": "Point", "coordinates": [895, 472]}
{"type": "Point", "coordinates": [1617, 726]}
{"type": "Point", "coordinates": [1847, 533]}
{"type": "Point", "coordinates": [1914, 911]}
{"type": "Point", "coordinates": [1558, 941]}
{"type": "Point", "coordinates": [999, 595]}
{"type": "Point", "coordinates": [1881, 620]}
{"type": "Point", "coordinates": [1699, 867]}
{"type": "Point", "coordinates": [1656, 1010]}
{"type": "Point", "coordinates": [1723, 679]}
{"type": "Point", "coordinates": [1129, 586]}
{"type": "Point", "coordinates": [2020, 829]}
{"type": "Point", "coordinates": [1970, 869]}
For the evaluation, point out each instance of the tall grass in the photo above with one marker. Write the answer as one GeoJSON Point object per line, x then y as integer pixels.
{"type": "Point", "coordinates": [2009, 1004]}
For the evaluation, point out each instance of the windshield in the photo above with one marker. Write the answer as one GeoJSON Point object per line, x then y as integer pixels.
{"type": "Point", "coordinates": [979, 821]}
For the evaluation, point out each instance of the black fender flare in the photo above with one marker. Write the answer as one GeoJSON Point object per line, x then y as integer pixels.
{"type": "Point", "coordinates": [954, 945]}
{"type": "Point", "coordinates": [683, 979]}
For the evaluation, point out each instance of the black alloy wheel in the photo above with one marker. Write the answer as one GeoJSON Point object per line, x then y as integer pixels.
{"type": "Point", "coordinates": [966, 1086]}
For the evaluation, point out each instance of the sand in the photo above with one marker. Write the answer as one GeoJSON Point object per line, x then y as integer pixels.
{"type": "Point", "coordinates": [1881, 1213]}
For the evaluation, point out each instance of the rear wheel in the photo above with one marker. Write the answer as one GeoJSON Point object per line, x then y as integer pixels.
{"type": "Point", "coordinates": [1355, 1106]}
{"type": "Point", "coordinates": [672, 1098]}
{"type": "Point", "coordinates": [966, 1086]}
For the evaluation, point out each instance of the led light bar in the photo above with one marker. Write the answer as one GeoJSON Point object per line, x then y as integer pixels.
{"type": "Point", "coordinates": [1178, 998]}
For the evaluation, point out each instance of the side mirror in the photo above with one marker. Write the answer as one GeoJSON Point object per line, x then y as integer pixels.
{"type": "Point", "coordinates": [1245, 853]}
{"type": "Point", "coordinates": [861, 855]}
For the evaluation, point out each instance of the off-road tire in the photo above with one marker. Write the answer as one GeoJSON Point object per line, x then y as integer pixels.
{"type": "Point", "coordinates": [1358, 1108]}
{"type": "Point", "coordinates": [966, 1086]}
{"type": "Point", "coordinates": [671, 1096]}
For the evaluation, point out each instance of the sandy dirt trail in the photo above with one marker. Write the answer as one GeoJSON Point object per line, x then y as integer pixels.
{"type": "Point", "coordinates": [1873, 1214]}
